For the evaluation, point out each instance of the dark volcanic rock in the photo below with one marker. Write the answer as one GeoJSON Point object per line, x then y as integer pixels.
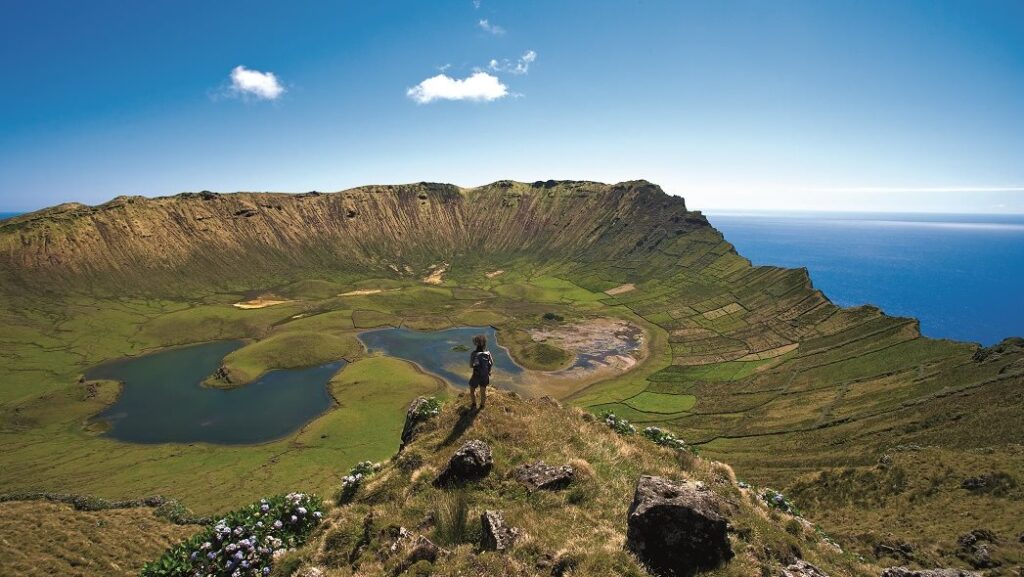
{"type": "Point", "coordinates": [1008, 346]}
{"type": "Point", "coordinates": [423, 549]}
{"type": "Point", "coordinates": [997, 483]}
{"type": "Point", "coordinates": [677, 529]}
{"type": "Point", "coordinates": [541, 476]}
{"type": "Point", "coordinates": [495, 535]}
{"type": "Point", "coordinates": [896, 549]}
{"type": "Point", "coordinates": [905, 572]}
{"type": "Point", "coordinates": [802, 569]}
{"type": "Point", "coordinates": [976, 548]}
{"type": "Point", "coordinates": [471, 462]}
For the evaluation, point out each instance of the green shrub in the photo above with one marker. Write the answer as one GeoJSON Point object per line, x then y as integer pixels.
{"type": "Point", "coordinates": [350, 483]}
{"type": "Point", "coordinates": [794, 527]}
{"type": "Point", "coordinates": [778, 501]}
{"type": "Point", "coordinates": [619, 425]}
{"type": "Point", "coordinates": [430, 407]}
{"type": "Point", "coordinates": [666, 439]}
{"type": "Point", "coordinates": [245, 542]}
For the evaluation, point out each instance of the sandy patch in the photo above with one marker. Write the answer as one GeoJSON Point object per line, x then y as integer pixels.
{"type": "Point", "coordinates": [259, 303]}
{"type": "Point", "coordinates": [436, 275]}
{"type": "Point", "coordinates": [602, 339]}
{"type": "Point", "coordinates": [493, 274]}
{"type": "Point", "coordinates": [603, 348]}
{"type": "Point", "coordinates": [624, 288]}
{"type": "Point", "coordinates": [363, 292]}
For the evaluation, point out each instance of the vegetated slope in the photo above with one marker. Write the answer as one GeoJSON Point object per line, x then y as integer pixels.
{"type": "Point", "coordinates": [575, 527]}
{"type": "Point", "coordinates": [759, 368]}
{"type": "Point", "coordinates": [139, 244]}
{"type": "Point", "coordinates": [56, 539]}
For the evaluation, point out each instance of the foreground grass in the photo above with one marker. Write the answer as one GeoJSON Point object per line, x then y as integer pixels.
{"type": "Point", "coordinates": [582, 527]}
{"type": "Point", "coordinates": [43, 539]}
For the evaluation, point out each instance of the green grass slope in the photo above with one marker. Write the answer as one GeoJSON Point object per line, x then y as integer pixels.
{"type": "Point", "coordinates": [581, 529]}
{"type": "Point", "coordinates": [751, 364]}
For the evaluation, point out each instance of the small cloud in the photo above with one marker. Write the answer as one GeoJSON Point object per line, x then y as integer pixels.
{"type": "Point", "coordinates": [479, 86]}
{"type": "Point", "coordinates": [476, 4]}
{"type": "Point", "coordinates": [520, 66]}
{"type": "Point", "coordinates": [490, 28]}
{"type": "Point", "coordinates": [255, 84]}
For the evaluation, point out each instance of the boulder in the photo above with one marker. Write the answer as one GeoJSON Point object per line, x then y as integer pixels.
{"type": "Point", "coordinates": [471, 462]}
{"type": "Point", "coordinates": [802, 569]}
{"type": "Point", "coordinates": [412, 419]}
{"type": "Point", "coordinates": [495, 535]}
{"type": "Point", "coordinates": [544, 477]}
{"type": "Point", "coordinates": [976, 548]}
{"type": "Point", "coordinates": [899, 550]}
{"type": "Point", "coordinates": [906, 572]}
{"type": "Point", "coordinates": [677, 528]}
{"type": "Point", "coordinates": [423, 549]}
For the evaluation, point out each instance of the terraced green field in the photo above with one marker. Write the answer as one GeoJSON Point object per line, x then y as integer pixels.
{"type": "Point", "coordinates": [751, 364]}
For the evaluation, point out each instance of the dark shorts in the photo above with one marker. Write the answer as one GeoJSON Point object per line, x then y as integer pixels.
{"type": "Point", "coordinates": [479, 381]}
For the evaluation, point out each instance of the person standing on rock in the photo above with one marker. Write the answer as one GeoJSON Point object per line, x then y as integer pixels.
{"type": "Point", "coordinates": [481, 361]}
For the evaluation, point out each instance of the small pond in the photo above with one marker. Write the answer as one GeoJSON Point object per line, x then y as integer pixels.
{"type": "Point", "coordinates": [163, 400]}
{"type": "Point", "coordinates": [444, 353]}
{"type": "Point", "coordinates": [601, 348]}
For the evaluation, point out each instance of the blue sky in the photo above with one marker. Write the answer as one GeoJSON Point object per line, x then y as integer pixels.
{"type": "Point", "coordinates": [818, 104]}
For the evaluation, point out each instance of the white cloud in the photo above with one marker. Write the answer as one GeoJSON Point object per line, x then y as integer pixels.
{"type": "Point", "coordinates": [479, 86]}
{"type": "Point", "coordinates": [476, 4]}
{"type": "Point", "coordinates": [491, 28]}
{"type": "Point", "coordinates": [255, 84]}
{"type": "Point", "coordinates": [520, 66]}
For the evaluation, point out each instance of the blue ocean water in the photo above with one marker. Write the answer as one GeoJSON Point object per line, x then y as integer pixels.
{"type": "Point", "coordinates": [961, 275]}
{"type": "Point", "coordinates": [4, 215]}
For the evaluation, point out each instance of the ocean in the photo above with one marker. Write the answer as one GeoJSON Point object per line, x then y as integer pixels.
{"type": "Point", "coordinates": [961, 275]}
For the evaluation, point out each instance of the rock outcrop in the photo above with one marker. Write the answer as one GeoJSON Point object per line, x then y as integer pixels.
{"type": "Point", "coordinates": [495, 534]}
{"type": "Point", "coordinates": [543, 477]}
{"type": "Point", "coordinates": [472, 462]}
{"type": "Point", "coordinates": [976, 548]}
{"type": "Point", "coordinates": [423, 549]}
{"type": "Point", "coordinates": [413, 417]}
{"type": "Point", "coordinates": [802, 569]}
{"type": "Point", "coordinates": [677, 528]}
{"type": "Point", "coordinates": [905, 572]}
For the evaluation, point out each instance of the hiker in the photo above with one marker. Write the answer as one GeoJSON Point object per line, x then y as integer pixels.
{"type": "Point", "coordinates": [481, 361]}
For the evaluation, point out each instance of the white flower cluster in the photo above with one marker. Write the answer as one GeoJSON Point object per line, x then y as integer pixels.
{"type": "Point", "coordinates": [665, 438]}
{"type": "Point", "coordinates": [351, 482]}
{"type": "Point", "coordinates": [619, 425]}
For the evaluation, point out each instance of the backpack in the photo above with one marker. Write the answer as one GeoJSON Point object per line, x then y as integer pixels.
{"type": "Point", "coordinates": [482, 363]}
